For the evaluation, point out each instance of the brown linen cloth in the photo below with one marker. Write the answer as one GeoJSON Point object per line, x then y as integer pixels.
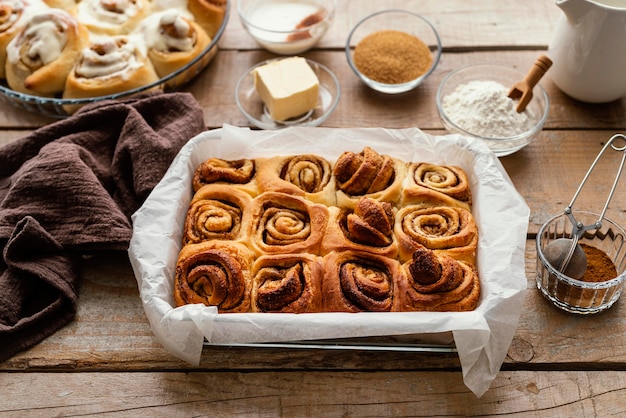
{"type": "Point", "coordinates": [70, 188]}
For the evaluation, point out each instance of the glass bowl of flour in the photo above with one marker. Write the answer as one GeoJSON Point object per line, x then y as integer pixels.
{"type": "Point", "coordinates": [473, 101]}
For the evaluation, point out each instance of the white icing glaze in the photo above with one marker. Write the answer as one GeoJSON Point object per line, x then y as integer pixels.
{"type": "Point", "coordinates": [157, 37]}
{"type": "Point", "coordinates": [110, 57]}
{"type": "Point", "coordinates": [108, 14]}
{"type": "Point", "coordinates": [45, 37]}
{"type": "Point", "coordinates": [19, 10]}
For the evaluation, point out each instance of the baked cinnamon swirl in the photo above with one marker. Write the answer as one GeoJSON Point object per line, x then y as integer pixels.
{"type": "Point", "coordinates": [173, 40]}
{"type": "Point", "coordinates": [217, 170]}
{"type": "Point", "coordinates": [287, 283]}
{"type": "Point", "coordinates": [215, 273]}
{"type": "Point", "coordinates": [112, 17]}
{"type": "Point", "coordinates": [356, 281]}
{"type": "Point", "coordinates": [451, 230]}
{"type": "Point", "coordinates": [42, 54]}
{"type": "Point", "coordinates": [307, 175]}
{"type": "Point", "coordinates": [217, 212]}
{"type": "Point", "coordinates": [436, 282]}
{"type": "Point", "coordinates": [208, 13]}
{"type": "Point", "coordinates": [425, 180]}
{"type": "Point", "coordinates": [287, 224]}
{"type": "Point", "coordinates": [368, 173]}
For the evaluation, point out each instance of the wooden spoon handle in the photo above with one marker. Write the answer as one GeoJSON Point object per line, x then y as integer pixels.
{"type": "Point", "coordinates": [537, 71]}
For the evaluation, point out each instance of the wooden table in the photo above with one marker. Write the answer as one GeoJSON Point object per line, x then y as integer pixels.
{"type": "Point", "coordinates": [107, 361]}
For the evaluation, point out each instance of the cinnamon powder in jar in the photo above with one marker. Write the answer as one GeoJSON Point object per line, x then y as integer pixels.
{"type": "Point", "coordinates": [392, 57]}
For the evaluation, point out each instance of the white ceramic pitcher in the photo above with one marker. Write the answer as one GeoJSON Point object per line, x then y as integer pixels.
{"type": "Point", "coordinates": [588, 50]}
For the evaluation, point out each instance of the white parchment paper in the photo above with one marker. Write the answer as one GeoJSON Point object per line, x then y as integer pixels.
{"type": "Point", "coordinates": [482, 337]}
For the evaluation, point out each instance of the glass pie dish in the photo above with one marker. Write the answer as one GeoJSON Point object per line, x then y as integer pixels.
{"type": "Point", "coordinates": [56, 107]}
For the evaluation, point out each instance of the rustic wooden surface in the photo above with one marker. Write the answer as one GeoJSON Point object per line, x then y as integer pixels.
{"type": "Point", "coordinates": [107, 361]}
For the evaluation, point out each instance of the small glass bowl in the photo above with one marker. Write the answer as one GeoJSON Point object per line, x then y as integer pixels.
{"type": "Point", "coordinates": [403, 21]}
{"type": "Point", "coordinates": [58, 108]}
{"type": "Point", "coordinates": [576, 296]}
{"type": "Point", "coordinates": [507, 76]}
{"type": "Point", "coordinates": [251, 105]}
{"type": "Point", "coordinates": [286, 27]}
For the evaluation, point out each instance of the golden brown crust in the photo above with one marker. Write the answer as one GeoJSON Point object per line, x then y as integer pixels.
{"type": "Point", "coordinates": [287, 283]}
{"type": "Point", "coordinates": [282, 223]}
{"type": "Point", "coordinates": [309, 176]}
{"type": "Point", "coordinates": [436, 282]}
{"type": "Point", "coordinates": [219, 212]}
{"type": "Point", "coordinates": [356, 281]}
{"type": "Point", "coordinates": [424, 181]}
{"type": "Point", "coordinates": [208, 13]}
{"type": "Point", "coordinates": [218, 170]}
{"type": "Point", "coordinates": [215, 273]}
{"type": "Point", "coordinates": [450, 230]}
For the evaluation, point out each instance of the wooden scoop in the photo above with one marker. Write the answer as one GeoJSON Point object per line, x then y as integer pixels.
{"type": "Point", "coordinates": [523, 90]}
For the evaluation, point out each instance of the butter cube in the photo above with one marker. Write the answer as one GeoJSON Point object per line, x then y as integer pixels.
{"type": "Point", "coordinates": [287, 86]}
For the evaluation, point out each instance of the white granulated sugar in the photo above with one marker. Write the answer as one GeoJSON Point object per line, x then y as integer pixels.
{"type": "Point", "coordinates": [483, 108]}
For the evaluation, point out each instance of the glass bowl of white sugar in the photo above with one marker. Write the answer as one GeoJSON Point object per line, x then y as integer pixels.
{"type": "Point", "coordinates": [473, 101]}
{"type": "Point", "coordinates": [286, 27]}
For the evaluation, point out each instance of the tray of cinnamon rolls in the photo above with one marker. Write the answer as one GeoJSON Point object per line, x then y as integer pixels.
{"type": "Point", "coordinates": [57, 55]}
{"type": "Point", "coordinates": [374, 233]}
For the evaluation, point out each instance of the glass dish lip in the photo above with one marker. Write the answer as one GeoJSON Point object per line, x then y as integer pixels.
{"type": "Point", "coordinates": [28, 98]}
{"type": "Point", "coordinates": [315, 122]}
{"type": "Point", "coordinates": [527, 134]}
{"type": "Point", "coordinates": [330, 16]}
{"type": "Point", "coordinates": [402, 87]}
{"type": "Point", "coordinates": [568, 280]}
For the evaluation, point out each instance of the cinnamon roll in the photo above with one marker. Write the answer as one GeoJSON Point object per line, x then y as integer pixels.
{"type": "Point", "coordinates": [110, 65]}
{"type": "Point", "coordinates": [112, 17]}
{"type": "Point", "coordinates": [368, 174]}
{"type": "Point", "coordinates": [309, 176]}
{"type": "Point", "coordinates": [217, 212]}
{"type": "Point", "coordinates": [208, 13]}
{"type": "Point", "coordinates": [236, 172]}
{"type": "Point", "coordinates": [43, 53]}
{"type": "Point", "coordinates": [369, 228]}
{"type": "Point", "coordinates": [436, 282]}
{"type": "Point", "coordinates": [425, 181]}
{"type": "Point", "coordinates": [67, 5]}
{"type": "Point", "coordinates": [287, 283]}
{"type": "Point", "coordinates": [173, 40]}
{"type": "Point", "coordinates": [215, 273]}
{"type": "Point", "coordinates": [358, 282]}
{"type": "Point", "coordinates": [451, 230]}
{"type": "Point", "coordinates": [287, 224]}
{"type": "Point", "coordinates": [14, 15]}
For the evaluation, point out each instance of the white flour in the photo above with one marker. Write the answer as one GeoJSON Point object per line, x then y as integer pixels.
{"type": "Point", "coordinates": [483, 108]}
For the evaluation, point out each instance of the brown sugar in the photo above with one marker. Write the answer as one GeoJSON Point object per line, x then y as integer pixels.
{"type": "Point", "coordinates": [392, 57]}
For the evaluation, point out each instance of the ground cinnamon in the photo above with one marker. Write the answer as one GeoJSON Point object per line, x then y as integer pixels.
{"type": "Point", "coordinates": [392, 57]}
{"type": "Point", "coordinates": [600, 267]}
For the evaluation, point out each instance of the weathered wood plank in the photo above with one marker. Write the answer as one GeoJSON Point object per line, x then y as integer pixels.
{"type": "Point", "coordinates": [270, 394]}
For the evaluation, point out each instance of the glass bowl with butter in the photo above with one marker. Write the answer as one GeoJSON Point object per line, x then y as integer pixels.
{"type": "Point", "coordinates": [393, 51]}
{"type": "Point", "coordinates": [283, 92]}
{"type": "Point", "coordinates": [286, 27]}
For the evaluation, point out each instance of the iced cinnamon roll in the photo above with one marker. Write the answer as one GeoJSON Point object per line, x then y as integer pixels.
{"type": "Point", "coordinates": [287, 224]}
{"type": "Point", "coordinates": [368, 174]}
{"type": "Point", "coordinates": [355, 281]}
{"type": "Point", "coordinates": [112, 17]}
{"type": "Point", "coordinates": [173, 40]}
{"type": "Point", "coordinates": [215, 273]}
{"type": "Point", "coordinates": [450, 230]}
{"type": "Point", "coordinates": [307, 175]}
{"type": "Point", "coordinates": [208, 13]}
{"type": "Point", "coordinates": [43, 53]}
{"type": "Point", "coordinates": [436, 282]}
{"type": "Point", "coordinates": [217, 212]}
{"type": "Point", "coordinates": [109, 65]}
{"type": "Point", "coordinates": [234, 172]}
{"type": "Point", "coordinates": [287, 283]}
{"type": "Point", "coordinates": [14, 15]}
{"type": "Point", "coordinates": [368, 228]}
{"type": "Point", "coordinates": [425, 181]}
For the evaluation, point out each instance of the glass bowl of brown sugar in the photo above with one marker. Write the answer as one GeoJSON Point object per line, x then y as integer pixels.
{"type": "Point", "coordinates": [605, 249]}
{"type": "Point", "coordinates": [393, 51]}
